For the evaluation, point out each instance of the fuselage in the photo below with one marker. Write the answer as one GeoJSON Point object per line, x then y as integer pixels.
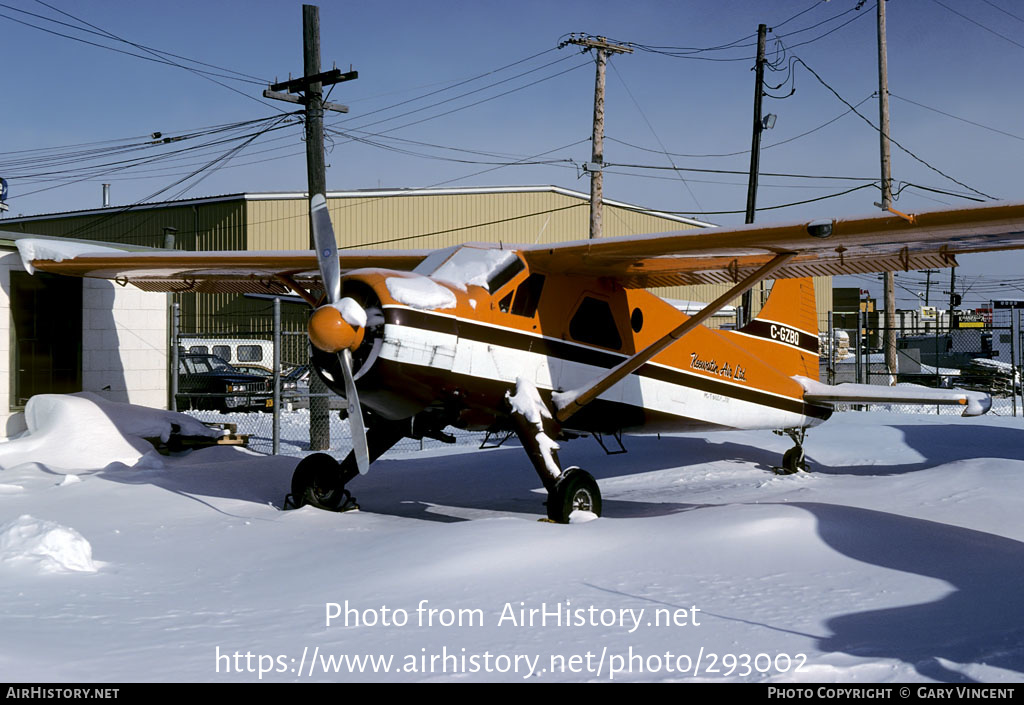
{"type": "Point", "coordinates": [459, 346]}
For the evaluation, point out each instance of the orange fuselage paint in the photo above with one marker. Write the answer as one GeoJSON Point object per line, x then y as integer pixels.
{"type": "Point", "coordinates": [739, 361]}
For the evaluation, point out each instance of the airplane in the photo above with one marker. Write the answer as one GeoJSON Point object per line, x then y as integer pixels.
{"type": "Point", "coordinates": [549, 342]}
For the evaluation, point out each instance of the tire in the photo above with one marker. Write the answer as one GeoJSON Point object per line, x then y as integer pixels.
{"type": "Point", "coordinates": [575, 490]}
{"type": "Point", "coordinates": [793, 461]}
{"type": "Point", "coordinates": [316, 481]}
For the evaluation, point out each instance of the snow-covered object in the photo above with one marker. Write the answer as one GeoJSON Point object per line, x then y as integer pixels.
{"type": "Point", "coordinates": [691, 308]}
{"type": "Point", "coordinates": [527, 401]}
{"type": "Point", "coordinates": [74, 432]}
{"type": "Point", "coordinates": [420, 292]}
{"type": "Point", "coordinates": [352, 312]}
{"type": "Point", "coordinates": [47, 545]}
{"type": "Point", "coordinates": [996, 365]}
{"type": "Point", "coordinates": [472, 265]}
{"type": "Point", "coordinates": [976, 403]}
{"type": "Point", "coordinates": [57, 250]}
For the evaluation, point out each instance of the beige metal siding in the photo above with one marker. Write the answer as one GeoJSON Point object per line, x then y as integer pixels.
{"type": "Point", "coordinates": [436, 221]}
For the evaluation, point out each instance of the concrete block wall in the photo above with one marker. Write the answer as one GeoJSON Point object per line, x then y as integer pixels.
{"type": "Point", "coordinates": [124, 343]}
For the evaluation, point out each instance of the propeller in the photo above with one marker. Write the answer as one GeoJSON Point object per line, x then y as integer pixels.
{"type": "Point", "coordinates": [339, 325]}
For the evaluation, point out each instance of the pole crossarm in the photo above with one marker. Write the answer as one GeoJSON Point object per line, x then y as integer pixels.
{"type": "Point", "coordinates": [598, 43]}
{"type": "Point", "coordinates": [326, 78]}
{"type": "Point", "coordinates": [300, 100]}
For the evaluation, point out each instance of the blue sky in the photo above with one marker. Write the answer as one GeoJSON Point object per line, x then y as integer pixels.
{"type": "Point", "coordinates": [411, 56]}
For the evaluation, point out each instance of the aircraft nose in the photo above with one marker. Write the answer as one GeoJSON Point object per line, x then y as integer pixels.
{"type": "Point", "coordinates": [331, 331]}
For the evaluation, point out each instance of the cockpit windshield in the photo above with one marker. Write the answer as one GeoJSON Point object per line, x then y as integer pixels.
{"type": "Point", "coordinates": [489, 268]}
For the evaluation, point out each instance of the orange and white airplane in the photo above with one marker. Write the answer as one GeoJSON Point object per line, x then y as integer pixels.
{"type": "Point", "coordinates": [557, 340]}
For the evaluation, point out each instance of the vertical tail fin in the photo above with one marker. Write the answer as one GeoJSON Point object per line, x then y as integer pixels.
{"type": "Point", "coordinates": [785, 332]}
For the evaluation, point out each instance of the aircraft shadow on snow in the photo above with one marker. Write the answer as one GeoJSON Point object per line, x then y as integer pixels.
{"type": "Point", "coordinates": [981, 620]}
{"type": "Point", "coordinates": [503, 481]}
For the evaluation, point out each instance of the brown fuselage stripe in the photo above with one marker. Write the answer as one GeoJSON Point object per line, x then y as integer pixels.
{"type": "Point", "coordinates": [508, 338]}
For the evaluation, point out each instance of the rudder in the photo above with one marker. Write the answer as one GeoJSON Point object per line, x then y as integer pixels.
{"type": "Point", "coordinates": [787, 328]}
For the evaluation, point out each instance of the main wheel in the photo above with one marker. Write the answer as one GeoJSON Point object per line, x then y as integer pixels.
{"type": "Point", "coordinates": [317, 481]}
{"type": "Point", "coordinates": [793, 461]}
{"type": "Point", "coordinates": [576, 489]}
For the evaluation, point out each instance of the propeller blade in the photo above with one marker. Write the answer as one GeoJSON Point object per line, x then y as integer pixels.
{"type": "Point", "coordinates": [330, 272]}
{"type": "Point", "coordinates": [326, 247]}
{"type": "Point", "coordinates": [355, 415]}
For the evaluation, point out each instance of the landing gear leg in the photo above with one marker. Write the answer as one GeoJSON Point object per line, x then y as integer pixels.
{"type": "Point", "coordinates": [319, 480]}
{"type": "Point", "coordinates": [568, 491]}
{"type": "Point", "coordinates": [794, 460]}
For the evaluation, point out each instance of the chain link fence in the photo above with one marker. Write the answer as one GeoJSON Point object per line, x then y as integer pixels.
{"type": "Point", "coordinates": [980, 357]}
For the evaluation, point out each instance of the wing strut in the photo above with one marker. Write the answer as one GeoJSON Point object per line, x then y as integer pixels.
{"type": "Point", "coordinates": [568, 403]}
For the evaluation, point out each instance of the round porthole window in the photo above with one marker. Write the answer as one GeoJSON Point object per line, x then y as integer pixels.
{"type": "Point", "coordinates": [637, 320]}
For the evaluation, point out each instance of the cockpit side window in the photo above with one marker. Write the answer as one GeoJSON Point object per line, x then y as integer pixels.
{"type": "Point", "coordinates": [593, 323]}
{"type": "Point", "coordinates": [528, 296]}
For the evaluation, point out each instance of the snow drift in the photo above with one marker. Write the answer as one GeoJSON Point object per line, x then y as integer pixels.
{"type": "Point", "coordinates": [79, 432]}
{"type": "Point", "coordinates": [47, 545]}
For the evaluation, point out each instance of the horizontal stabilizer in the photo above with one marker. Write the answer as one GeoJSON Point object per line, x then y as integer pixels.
{"type": "Point", "coordinates": [973, 403]}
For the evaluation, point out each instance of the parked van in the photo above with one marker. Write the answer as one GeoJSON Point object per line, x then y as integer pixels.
{"type": "Point", "coordinates": [249, 355]}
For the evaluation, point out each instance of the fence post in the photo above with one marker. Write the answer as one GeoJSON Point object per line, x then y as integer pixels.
{"type": "Point", "coordinates": [175, 322]}
{"type": "Point", "coordinates": [1014, 367]}
{"type": "Point", "coordinates": [859, 369]}
{"type": "Point", "coordinates": [277, 377]}
{"type": "Point", "coordinates": [830, 369]}
{"type": "Point", "coordinates": [935, 361]}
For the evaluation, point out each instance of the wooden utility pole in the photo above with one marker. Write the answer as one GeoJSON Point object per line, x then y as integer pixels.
{"type": "Point", "coordinates": [755, 151]}
{"type": "Point", "coordinates": [596, 166]}
{"type": "Point", "coordinates": [891, 361]}
{"type": "Point", "coordinates": [310, 86]}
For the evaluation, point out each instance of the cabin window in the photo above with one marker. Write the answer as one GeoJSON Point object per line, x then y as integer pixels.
{"type": "Point", "coordinates": [636, 321]}
{"type": "Point", "coordinates": [506, 302]}
{"type": "Point", "coordinates": [528, 296]}
{"type": "Point", "coordinates": [593, 323]}
{"type": "Point", "coordinates": [221, 351]}
{"type": "Point", "coordinates": [199, 350]}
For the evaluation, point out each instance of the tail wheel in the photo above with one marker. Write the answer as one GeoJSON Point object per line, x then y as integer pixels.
{"type": "Point", "coordinates": [794, 461]}
{"type": "Point", "coordinates": [575, 490]}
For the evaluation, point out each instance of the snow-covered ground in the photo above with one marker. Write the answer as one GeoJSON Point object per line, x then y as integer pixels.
{"type": "Point", "coordinates": [899, 558]}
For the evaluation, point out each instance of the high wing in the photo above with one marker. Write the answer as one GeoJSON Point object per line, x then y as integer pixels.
{"type": "Point", "coordinates": [874, 243]}
{"type": "Point", "coordinates": [263, 272]}
{"type": "Point", "coordinates": [720, 255]}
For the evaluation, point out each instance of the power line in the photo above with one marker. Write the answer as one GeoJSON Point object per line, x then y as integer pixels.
{"type": "Point", "coordinates": [463, 95]}
{"type": "Point", "coordinates": [979, 24]}
{"type": "Point", "coordinates": [662, 144]}
{"type": "Point", "coordinates": [695, 52]}
{"type": "Point", "coordinates": [745, 151]}
{"type": "Point", "coordinates": [730, 171]}
{"type": "Point", "coordinates": [210, 166]}
{"type": "Point", "coordinates": [955, 117]}
{"type": "Point", "coordinates": [1005, 12]}
{"type": "Point", "coordinates": [769, 208]}
{"type": "Point", "coordinates": [156, 56]}
{"type": "Point", "coordinates": [889, 137]}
